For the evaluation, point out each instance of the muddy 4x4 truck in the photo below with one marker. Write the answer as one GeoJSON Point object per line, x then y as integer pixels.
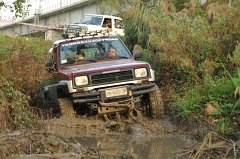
{"type": "Point", "coordinates": [98, 83]}
{"type": "Point", "coordinates": [96, 22]}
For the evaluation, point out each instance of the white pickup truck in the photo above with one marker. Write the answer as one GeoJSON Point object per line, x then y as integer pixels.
{"type": "Point", "coordinates": [97, 22]}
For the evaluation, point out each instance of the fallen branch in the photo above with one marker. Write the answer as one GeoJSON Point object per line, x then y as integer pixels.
{"type": "Point", "coordinates": [213, 146]}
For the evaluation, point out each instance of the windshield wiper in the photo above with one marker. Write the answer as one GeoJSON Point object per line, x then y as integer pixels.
{"type": "Point", "coordinates": [90, 60]}
{"type": "Point", "coordinates": [123, 57]}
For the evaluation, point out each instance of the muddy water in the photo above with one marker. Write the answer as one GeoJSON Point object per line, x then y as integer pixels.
{"type": "Point", "coordinates": [158, 147]}
{"type": "Point", "coordinates": [137, 140]}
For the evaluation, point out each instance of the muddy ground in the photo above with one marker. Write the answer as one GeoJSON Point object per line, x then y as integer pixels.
{"type": "Point", "coordinates": [93, 137]}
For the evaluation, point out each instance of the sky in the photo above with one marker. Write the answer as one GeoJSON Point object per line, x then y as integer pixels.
{"type": "Point", "coordinates": [37, 6]}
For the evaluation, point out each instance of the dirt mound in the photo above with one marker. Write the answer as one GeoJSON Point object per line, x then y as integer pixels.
{"type": "Point", "coordinates": [29, 143]}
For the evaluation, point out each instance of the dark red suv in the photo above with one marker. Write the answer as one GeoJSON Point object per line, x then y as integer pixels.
{"type": "Point", "coordinates": [98, 74]}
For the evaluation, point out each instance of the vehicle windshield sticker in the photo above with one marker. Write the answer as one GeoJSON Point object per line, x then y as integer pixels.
{"type": "Point", "coordinates": [64, 61]}
{"type": "Point", "coordinates": [89, 40]}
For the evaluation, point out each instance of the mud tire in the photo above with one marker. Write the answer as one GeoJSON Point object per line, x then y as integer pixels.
{"type": "Point", "coordinates": [156, 103]}
{"type": "Point", "coordinates": [66, 108]}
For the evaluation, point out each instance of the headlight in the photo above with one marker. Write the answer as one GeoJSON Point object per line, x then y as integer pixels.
{"type": "Point", "coordinates": [140, 72]}
{"type": "Point", "coordinates": [81, 80]}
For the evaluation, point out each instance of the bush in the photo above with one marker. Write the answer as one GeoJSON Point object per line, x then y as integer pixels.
{"type": "Point", "coordinates": [22, 62]}
{"type": "Point", "coordinates": [195, 53]}
{"type": "Point", "coordinates": [219, 91]}
{"type": "Point", "coordinates": [21, 70]}
{"type": "Point", "coordinates": [14, 107]}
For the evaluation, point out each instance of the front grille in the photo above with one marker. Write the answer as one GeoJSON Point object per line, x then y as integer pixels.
{"type": "Point", "coordinates": [112, 77]}
{"type": "Point", "coordinates": [73, 28]}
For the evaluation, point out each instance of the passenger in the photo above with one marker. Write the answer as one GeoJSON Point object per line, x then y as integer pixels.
{"type": "Point", "coordinates": [118, 24]}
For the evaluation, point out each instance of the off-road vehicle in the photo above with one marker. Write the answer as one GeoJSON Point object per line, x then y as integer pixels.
{"type": "Point", "coordinates": [99, 83]}
{"type": "Point", "coordinates": [96, 22]}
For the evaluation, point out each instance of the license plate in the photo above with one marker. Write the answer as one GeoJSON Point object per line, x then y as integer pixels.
{"type": "Point", "coordinates": [116, 92]}
{"type": "Point", "coordinates": [71, 35]}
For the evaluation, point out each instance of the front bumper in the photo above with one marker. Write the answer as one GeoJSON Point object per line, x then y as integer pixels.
{"type": "Point", "coordinates": [95, 96]}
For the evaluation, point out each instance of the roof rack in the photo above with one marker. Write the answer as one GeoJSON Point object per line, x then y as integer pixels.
{"type": "Point", "coordinates": [74, 31]}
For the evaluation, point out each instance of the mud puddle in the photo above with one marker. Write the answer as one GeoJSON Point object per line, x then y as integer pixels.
{"type": "Point", "coordinates": [148, 139]}
{"type": "Point", "coordinates": [158, 147]}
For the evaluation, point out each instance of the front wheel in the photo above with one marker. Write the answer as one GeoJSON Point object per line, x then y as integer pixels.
{"type": "Point", "coordinates": [66, 107]}
{"type": "Point", "coordinates": [156, 103]}
{"type": "Point", "coordinates": [153, 103]}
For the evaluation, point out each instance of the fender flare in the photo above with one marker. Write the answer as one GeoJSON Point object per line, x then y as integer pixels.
{"type": "Point", "coordinates": [55, 91]}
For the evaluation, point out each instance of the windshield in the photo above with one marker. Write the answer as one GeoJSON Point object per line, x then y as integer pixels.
{"type": "Point", "coordinates": [92, 50]}
{"type": "Point", "coordinates": [90, 19]}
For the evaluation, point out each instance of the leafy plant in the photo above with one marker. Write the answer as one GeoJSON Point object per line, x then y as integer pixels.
{"type": "Point", "coordinates": [21, 70]}
{"type": "Point", "coordinates": [14, 104]}
{"type": "Point", "coordinates": [17, 6]}
{"type": "Point", "coordinates": [224, 126]}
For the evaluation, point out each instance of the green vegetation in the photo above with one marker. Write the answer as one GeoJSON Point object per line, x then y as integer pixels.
{"type": "Point", "coordinates": [22, 62]}
{"type": "Point", "coordinates": [194, 50]}
{"type": "Point", "coordinates": [21, 70]}
{"type": "Point", "coordinates": [14, 107]}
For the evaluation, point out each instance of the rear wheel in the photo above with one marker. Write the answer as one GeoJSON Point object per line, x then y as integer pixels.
{"type": "Point", "coordinates": [66, 107]}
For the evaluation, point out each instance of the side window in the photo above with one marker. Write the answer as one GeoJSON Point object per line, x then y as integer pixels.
{"type": "Point", "coordinates": [107, 23]}
{"type": "Point", "coordinates": [118, 24]}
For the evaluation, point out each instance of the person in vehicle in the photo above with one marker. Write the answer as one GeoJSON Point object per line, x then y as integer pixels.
{"type": "Point", "coordinates": [108, 23]}
{"type": "Point", "coordinates": [112, 53]}
{"type": "Point", "coordinates": [79, 56]}
{"type": "Point", "coordinates": [118, 24]}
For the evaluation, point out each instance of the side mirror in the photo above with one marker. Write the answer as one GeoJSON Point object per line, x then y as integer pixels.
{"type": "Point", "coordinates": [65, 35]}
{"type": "Point", "coordinates": [137, 54]}
{"type": "Point", "coordinates": [50, 67]}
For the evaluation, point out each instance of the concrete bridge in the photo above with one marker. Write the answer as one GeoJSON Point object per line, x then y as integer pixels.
{"type": "Point", "coordinates": [52, 20]}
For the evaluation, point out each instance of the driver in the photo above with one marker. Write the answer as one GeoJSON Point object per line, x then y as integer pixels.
{"type": "Point", "coordinates": [112, 53]}
{"type": "Point", "coordinates": [79, 56]}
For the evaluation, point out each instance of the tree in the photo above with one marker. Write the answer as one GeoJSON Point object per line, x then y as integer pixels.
{"type": "Point", "coordinates": [17, 7]}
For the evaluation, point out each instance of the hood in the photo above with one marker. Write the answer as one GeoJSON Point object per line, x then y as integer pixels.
{"type": "Point", "coordinates": [103, 66]}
